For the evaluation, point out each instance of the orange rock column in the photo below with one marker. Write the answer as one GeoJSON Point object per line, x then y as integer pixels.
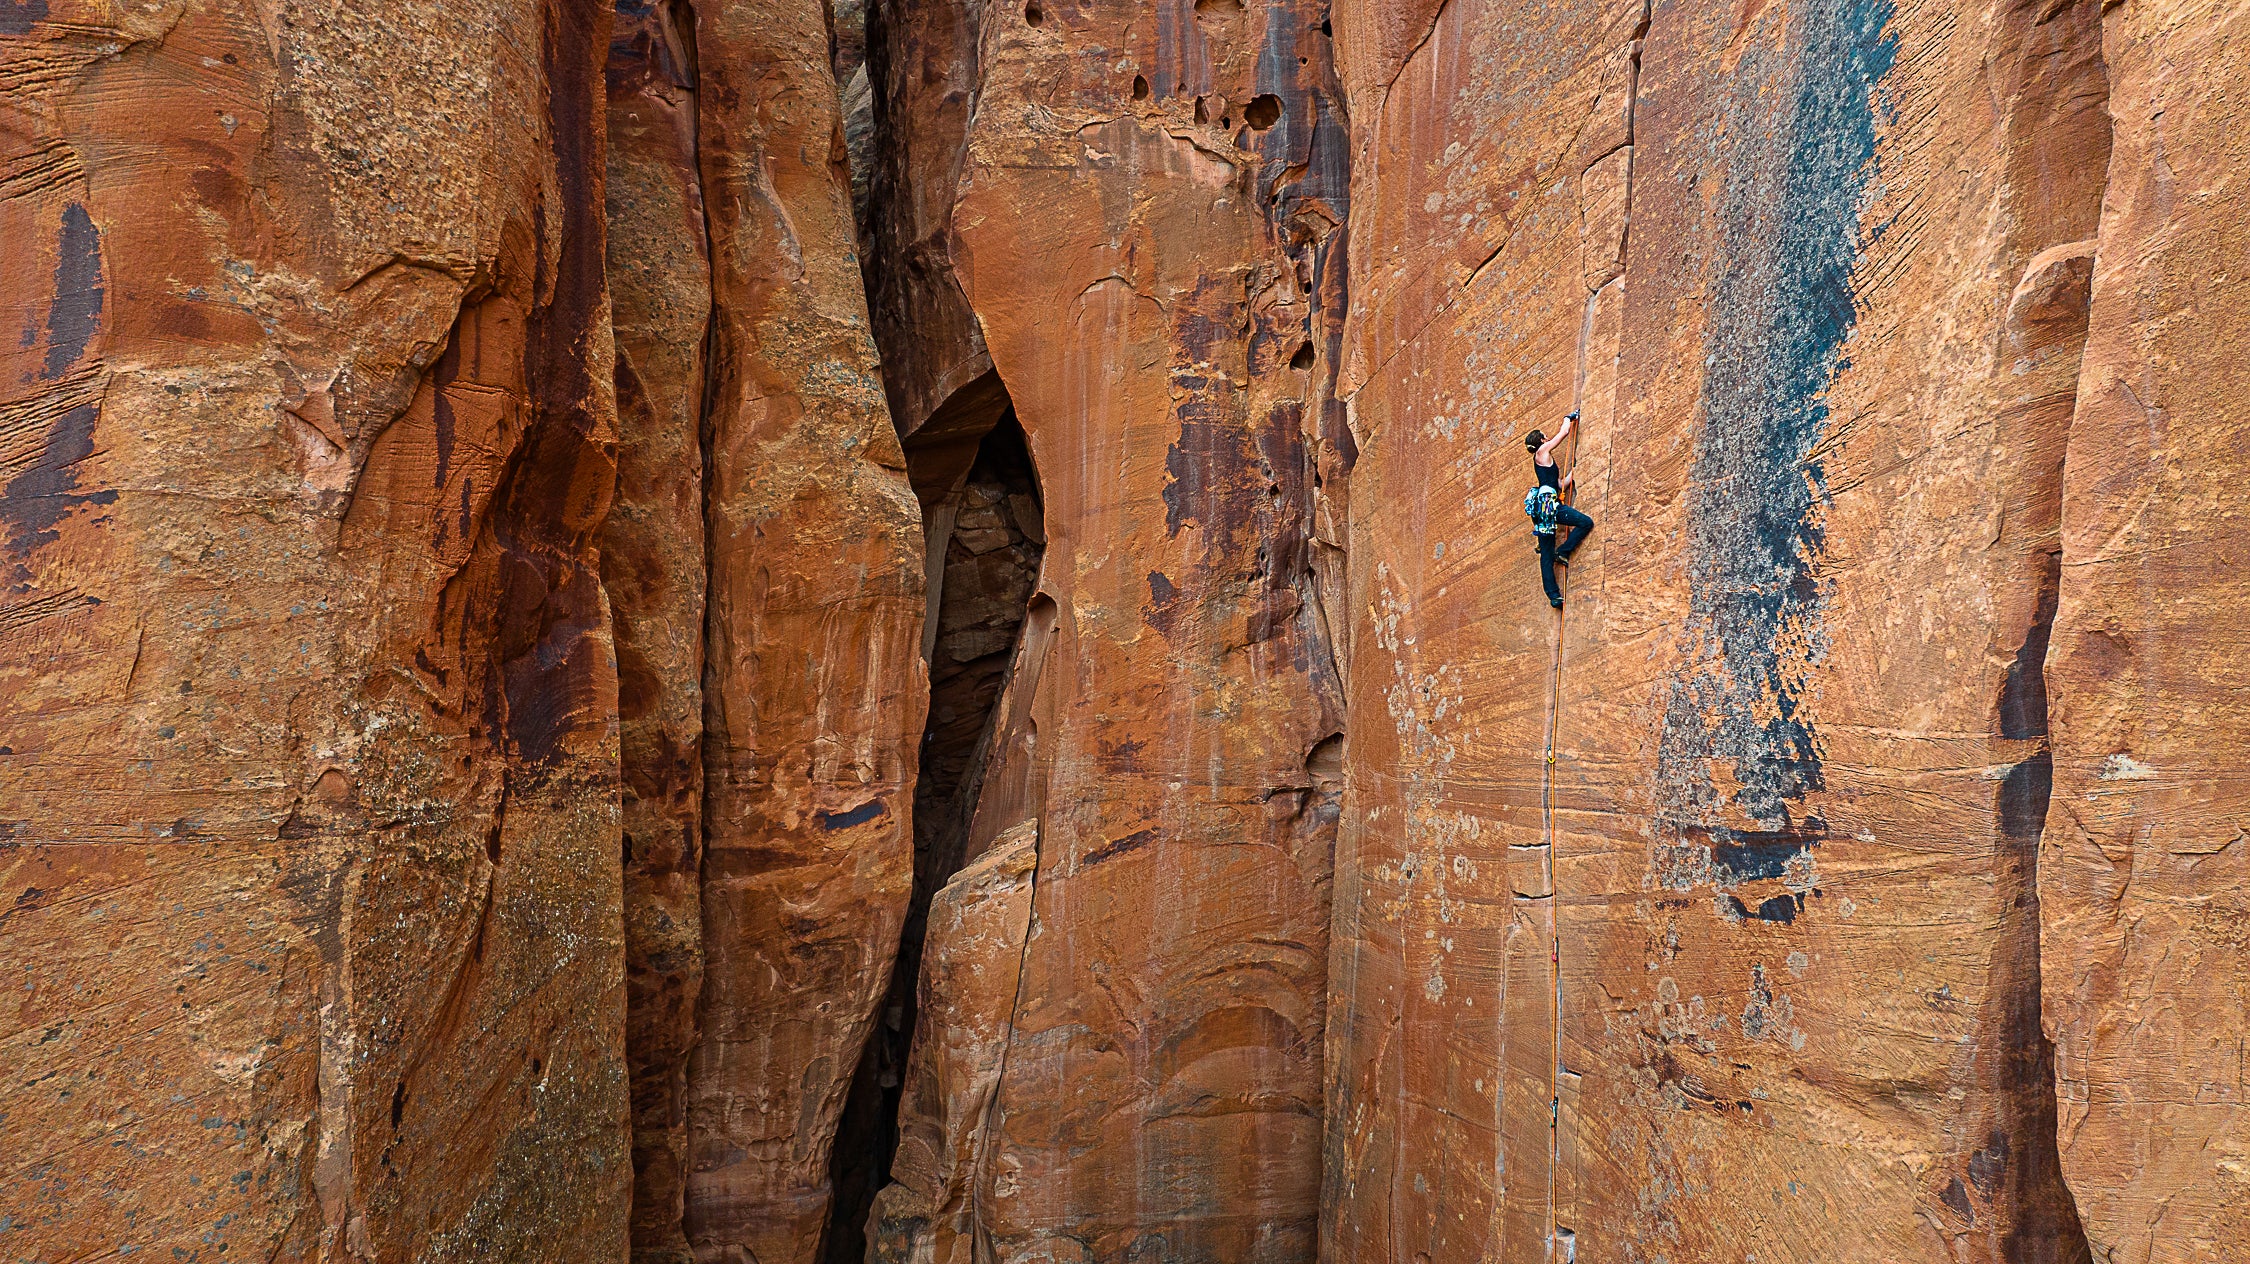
{"type": "Point", "coordinates": [815, 689]}
{"type": "Point", "coordinates": [2144, 874]}
{"type": "Point", "coordinates": [1146, 210]}
{"type": "Point", "coordinates": [310, 753]}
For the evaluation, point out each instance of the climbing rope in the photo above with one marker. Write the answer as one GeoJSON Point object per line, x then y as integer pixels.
{"type": "Point", "coordinates": [1566, 468]}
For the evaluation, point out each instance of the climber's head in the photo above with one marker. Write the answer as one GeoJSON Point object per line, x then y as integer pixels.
{"type": "Point", "coordinates": [1534, 440]}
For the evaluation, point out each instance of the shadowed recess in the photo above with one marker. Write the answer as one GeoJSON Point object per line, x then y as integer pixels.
{"type": "Point", "coordinates": [986, 536]}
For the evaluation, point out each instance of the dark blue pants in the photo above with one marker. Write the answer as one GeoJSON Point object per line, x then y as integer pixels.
{"type": "Point", "coordinates": [1579, 525]}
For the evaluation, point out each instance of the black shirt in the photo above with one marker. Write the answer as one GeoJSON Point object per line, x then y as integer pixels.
{"type": "Point", "coordinates": [1549, 475]}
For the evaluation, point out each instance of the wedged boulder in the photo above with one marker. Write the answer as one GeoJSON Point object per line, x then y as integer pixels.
{"type": "Point", "coordinates": [979, 925]}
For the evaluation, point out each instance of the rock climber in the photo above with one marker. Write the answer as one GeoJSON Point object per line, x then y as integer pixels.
{"type": "Point", "coordinates": [1544, 503]}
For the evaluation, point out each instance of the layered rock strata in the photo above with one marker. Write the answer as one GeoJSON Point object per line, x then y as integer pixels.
{"type": "Point", "coordinates": [311, 753]}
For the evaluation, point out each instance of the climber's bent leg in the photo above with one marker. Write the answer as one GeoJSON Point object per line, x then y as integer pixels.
{"type": "Point", "coordinates": [1579, 525]}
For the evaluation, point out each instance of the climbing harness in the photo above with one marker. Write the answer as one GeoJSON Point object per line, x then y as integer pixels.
{"type": "Point", "coordinates": [1542, 504]}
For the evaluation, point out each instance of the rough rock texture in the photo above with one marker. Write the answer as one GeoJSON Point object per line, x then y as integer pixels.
{"type": "Point", "coordinates": [467, 635]}
{"type": "Point", "coordinates": [815, 690]}
{"type": "Point", "coordinates": [978, 924]}
{"type": "Point", "coordinates": [2145, 873]}
{"type": "Point", "coordinates": [653, 566]}
{"type": "Point", "coordinates": [310, 755]}
{"type": "Point", "coordinates": [984, 542]}
{"type": "Point", "coordinates": [1703, 913]}
{"type": "Point", "coordinates": [1142, 262]}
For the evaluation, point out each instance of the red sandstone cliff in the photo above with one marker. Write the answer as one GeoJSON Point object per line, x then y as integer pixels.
{"type": "Point", "coordinates": [313, 935]}
{"type": "Point", "coordinates": [1143, 213]}
{"type": "Point", "coordinates": [808, 630]}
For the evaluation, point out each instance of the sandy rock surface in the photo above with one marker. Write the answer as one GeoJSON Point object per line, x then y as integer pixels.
{"type": "Point", "coordinates": [814, 688]}
{"type": "Point", "coordinates": [807, 631]}
{"type": "Point", "coordinates": [313, 930]}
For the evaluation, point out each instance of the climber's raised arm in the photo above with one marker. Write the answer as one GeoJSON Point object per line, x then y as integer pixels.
{"type": "Point", "coordinates": [1546, 453]}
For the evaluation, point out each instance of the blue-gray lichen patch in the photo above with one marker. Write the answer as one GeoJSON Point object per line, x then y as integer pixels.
{"type": "Point", "coordinates": [1782, 309]}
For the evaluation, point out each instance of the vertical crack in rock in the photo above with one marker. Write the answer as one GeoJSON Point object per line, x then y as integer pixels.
{"type": "Point", "coordinates": [1781, 311]}
{"type": "Point", "coordinates": [1140, 239]}
{"type": "Point", "coordinates": [985, 539]}
{"type": "Point", "coordinates": [2010, 1184]}
{"type": "Point", "coordinates": [1605, 225]}
{"type": "Point", "coordinates": [654, 567]}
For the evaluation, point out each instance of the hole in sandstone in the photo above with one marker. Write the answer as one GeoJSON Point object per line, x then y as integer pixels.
{"type": "Point", "coordinates": [1327, 29]}
{"type": "Point", "coordinates": [1263, 111]}
{"type": "Point", "coordinates": [1034, 15]}
{"type": "Point", "coordinates": [984, 526]}
{"type": "Point", "coordinates": [1304, 357]}
{"type": "Point", "coordinates": [1202, 111]}
{"type": "Point", "coordinates": [1140, 87]}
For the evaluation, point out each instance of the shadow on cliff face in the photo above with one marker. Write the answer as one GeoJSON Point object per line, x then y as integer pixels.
{"type": "Point", "coordinates": [983, 519]}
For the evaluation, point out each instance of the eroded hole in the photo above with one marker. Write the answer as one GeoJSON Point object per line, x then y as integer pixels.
{"type": "Point", "coordinates": [1263, 111]}
{"type": "Point", "coordinates": [1304, 357]}
{"type": "Point", "coordinates": [1033, 15]}
{"type": "Point", "coordinates": [1202, 110]}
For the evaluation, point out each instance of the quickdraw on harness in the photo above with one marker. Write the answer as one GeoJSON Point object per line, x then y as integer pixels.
{"type": "Point", "coordinates": [1542, 504]}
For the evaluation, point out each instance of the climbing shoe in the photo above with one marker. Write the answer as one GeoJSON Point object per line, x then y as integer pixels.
{"type": "Point", "coordinates": [1558, 605]}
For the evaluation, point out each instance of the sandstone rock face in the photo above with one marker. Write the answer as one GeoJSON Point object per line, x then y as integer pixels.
{"type": "Point", "coordinates": [311, 751]}
{"type": "Point", "coordinates": [1703, 912]}
{"type": "Point", "coordinates": [818, 630]}
{"type": "Point", "coordinates": [2142, 874]}
{"type": "Point", "coordinates": [1140, 231]}
{"type": "Point", "coordinates": [815, 689]}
